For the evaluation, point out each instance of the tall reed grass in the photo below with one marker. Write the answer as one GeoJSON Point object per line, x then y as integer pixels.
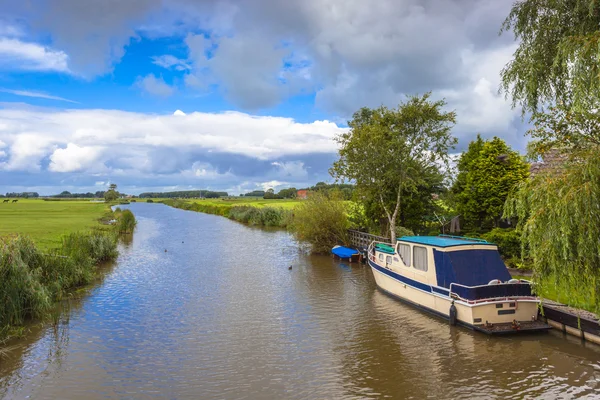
{"type": "Point", "coordinates": [31, 280]}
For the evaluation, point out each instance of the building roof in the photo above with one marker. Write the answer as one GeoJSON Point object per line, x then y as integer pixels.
{"type": "Point", "coordinates": [442, 240]}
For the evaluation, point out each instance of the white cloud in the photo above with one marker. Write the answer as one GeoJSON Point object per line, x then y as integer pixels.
{"type": "Point", "coordinates": [169, 61]}
{"type": "Point", "coordinates": [293, 169]}
{"type": "Point", "coordinates": [9, 30]}
{"type": "Point", "coordinates": [180, 113]}
{"type": "Point", "coordinates": [73, 139]}
{"type": "Point", "coordinates": [18, 55]}
{"type": "Point", "coordinates": [272, 185]}
{"type": "Point", "coordinates": [74, 158]}
{"type": "Point", "coordinates": [155, 86]}
{"type": "Point", "coordinates": [26, 151]}
{"type": "Point", "coordinates": [29, 93]}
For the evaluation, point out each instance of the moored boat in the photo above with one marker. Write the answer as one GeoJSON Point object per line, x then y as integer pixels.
{"type": "Point", "coordinates": [458, 278]}
{"type": "Point", "coordinates": [346, 253]}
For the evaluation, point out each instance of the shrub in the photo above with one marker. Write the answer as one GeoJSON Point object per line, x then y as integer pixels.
{"type": "Point", "coordinates": [321, 220]}
{"type": "Point", "coordinates": [126, 222]}
{"type": "Point", "coordinates": [509, 246]}
{"type": "Point", "coordinates": [149, 201]}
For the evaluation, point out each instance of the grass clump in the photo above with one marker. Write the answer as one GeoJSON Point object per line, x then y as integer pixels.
{"type": "Point", "coordinates": [31, 279]}
{"type": "Point", "coordinates": [266, 216]}
{"type": "Point", "coordinates": [22, 294]}
{"type": "Point", "coordinates": [126, 222]}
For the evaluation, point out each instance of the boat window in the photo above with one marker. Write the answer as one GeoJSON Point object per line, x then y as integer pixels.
{"type": "Point", "coordinates": [388, 260]}
{"type": "Point", "coordinates": [420, 258]}
{"type": "Point", "coordinates": [380, 257]}
{"type": "Point", "coordinates": [404, 253]}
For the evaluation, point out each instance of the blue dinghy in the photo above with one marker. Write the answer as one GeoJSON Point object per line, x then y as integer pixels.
{"type": "Point", "coordinates": [346, 253]}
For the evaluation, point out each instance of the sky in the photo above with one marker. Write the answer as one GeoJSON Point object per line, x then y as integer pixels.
{"type": "Point", "coordinates": [158, 95]}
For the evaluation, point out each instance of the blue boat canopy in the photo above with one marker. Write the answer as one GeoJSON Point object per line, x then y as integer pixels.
{"type": "Point", "coordinates": [469, 267]}
{"type": "Point", "coordinates": [343, 252]}
{"type": "Point", "coordinates": [442, 241]}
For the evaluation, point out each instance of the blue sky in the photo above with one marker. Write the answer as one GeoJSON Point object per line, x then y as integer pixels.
{"type": "Point", "coordinates": [89, 89]}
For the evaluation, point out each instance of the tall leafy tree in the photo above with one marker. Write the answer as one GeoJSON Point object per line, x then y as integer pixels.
{"type": "Point", "coordinates": [488, 171]}
{"type": "Point", "coordinates": [557, 60]}
{"type": "Point", "coordinates": [387, 152]}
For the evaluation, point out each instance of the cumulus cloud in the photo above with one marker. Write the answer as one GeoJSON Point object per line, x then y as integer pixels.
{"type": "Point", "coordinates": [155, 86]}
{"type": "Point", "coordinates": [74, 158]}
{"type": "Point", "coordinates": [19, 55]}
{"type": "Point", "coordinates": [198, 149]}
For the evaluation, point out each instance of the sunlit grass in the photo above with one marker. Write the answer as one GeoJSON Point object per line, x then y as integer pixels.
{"type": "Point", "coordinates": [46, 222]}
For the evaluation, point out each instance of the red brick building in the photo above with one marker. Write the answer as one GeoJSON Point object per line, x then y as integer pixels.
{"type": "Point", "coordinates": [302, 194]}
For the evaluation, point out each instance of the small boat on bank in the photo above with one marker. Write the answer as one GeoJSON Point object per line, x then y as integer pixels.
{"type": "Point", "coordinates": [346, 253]}
{"type": "Point", "coordinates": [461, 279]}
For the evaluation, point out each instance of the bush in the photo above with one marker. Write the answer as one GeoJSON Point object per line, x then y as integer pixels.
{"type": "Point", "coordinates": [266, 216]}
{"type": "Point", "coordinates": [126, 222]}
{"type": "Point", "coordinates": [149, 201]}
{"type": "Point", "coordinates": [321, 220]}
{"type": "Point", "coordinates": [509, 246]}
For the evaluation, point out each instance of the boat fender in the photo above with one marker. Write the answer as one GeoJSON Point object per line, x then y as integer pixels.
{"type": "Point", "coordinates": [453, 313]}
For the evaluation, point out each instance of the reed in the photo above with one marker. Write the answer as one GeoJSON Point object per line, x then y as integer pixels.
{"type": "Point", "coordinates": [31, 280]}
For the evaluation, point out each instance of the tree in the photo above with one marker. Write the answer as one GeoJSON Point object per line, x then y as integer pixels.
{"type": "Point", "coordinates": [113, 187]}
{"type": "Point", "coordinates": [289, 193]}
{"type": "Point", "coordinates": [557, 57]}
{"type": "Point", "coordinates": [110, 195]}
{"type": "Point", "coordinates": [463, 166]}
{"type": "Point", "coordinates": [557, 210]}
{"type": "Point", "coordinates": [387, 152]}
{"type": "Point", "coordinates": [488, 171]}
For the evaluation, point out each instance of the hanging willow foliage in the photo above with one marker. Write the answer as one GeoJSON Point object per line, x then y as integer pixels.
{"type": "Point", "coordinates": [558, 53]}
{"type": "Point", "coordinates": [559, 216]}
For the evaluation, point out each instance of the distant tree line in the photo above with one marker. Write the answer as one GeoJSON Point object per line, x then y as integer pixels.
{"type": "Point", "coordinates": [255, 193]}
{"type": "Point", "coordinates": [23, 194]}
{"type": "Point", "coordinates": [89, 195]}
{"type": "Point", "coordinates": [346, 191]}
{"type": "Point", "coordinates": [185, 194]}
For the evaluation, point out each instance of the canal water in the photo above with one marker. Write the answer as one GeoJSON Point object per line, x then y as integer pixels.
{"type": "Point", "coordinates": [200, 307]}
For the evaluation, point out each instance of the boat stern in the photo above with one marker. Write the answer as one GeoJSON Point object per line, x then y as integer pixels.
{"type": "Point", "coordinates": [509, 316]}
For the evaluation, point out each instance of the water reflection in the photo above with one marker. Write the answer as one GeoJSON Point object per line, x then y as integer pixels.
{"type": "Point", "coordinates": [220, 315]}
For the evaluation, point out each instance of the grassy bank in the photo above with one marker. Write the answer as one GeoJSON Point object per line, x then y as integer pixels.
{"type": "Point", "coordinates": [556, 292]}
{"type": "Point", "coordinates": [239, 211]}
{"type": "Point", "coordinates": [48, 249]}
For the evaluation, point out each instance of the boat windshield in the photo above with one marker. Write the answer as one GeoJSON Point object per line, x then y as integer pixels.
{"type": "Point", "coordinates": [469, 267]}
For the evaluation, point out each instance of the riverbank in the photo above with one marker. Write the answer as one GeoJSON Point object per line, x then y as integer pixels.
{"type": "Point", "coordinates": [47, 249]}
{"type": "Point", "coordinates": [259, 215]}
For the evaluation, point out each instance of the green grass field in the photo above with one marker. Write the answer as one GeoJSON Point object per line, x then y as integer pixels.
{"type": "Point", "coordinates": [258, 202]}
{"type": "Point", "coordinates": [251, 201]}
{"type": "Point", "coordinates": [47, 221]}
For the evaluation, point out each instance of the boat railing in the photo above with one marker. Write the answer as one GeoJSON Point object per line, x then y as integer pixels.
{"type": "Point", "coordinates": [503, 290]}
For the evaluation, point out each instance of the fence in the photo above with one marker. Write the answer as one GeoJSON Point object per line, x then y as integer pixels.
{"type": "Point", "coordinates": [361, 239]}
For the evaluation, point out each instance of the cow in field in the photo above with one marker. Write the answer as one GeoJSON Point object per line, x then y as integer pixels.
{"type": "Point", "coordinates": [14, 201]}
{"type": "Point", "coordinates": [6, 201]}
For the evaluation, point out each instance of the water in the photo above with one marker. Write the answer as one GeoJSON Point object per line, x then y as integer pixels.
{"type": "Point", "coordinates": [220, 316]}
